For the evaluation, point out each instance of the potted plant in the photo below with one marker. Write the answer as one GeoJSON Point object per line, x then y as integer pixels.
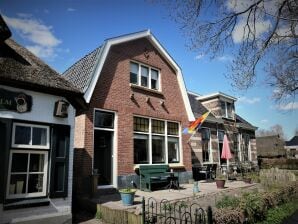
{"type": "Point", "coordinates": [127, 196]}
{"type": "Point", "coordinates": [220, 181]}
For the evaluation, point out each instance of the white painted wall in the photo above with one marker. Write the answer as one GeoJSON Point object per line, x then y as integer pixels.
{"type": "Point", "coordinates": [42, 111]}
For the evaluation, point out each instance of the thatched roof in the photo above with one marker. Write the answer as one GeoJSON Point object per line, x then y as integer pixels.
{"type": "Point", "coordinates": [21, 68]}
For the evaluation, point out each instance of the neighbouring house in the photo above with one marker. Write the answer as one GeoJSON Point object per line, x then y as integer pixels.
{"type": "Point", "coordinates": [36, 138]}
{"type": "Point", "coordinates": [207, 143]}
{"type": "Point", "coordinates": [138, 105]}
{"type": "Point", "coordinates": [291, 147]}
{"type": "Point", "coordinates": [271, 146]}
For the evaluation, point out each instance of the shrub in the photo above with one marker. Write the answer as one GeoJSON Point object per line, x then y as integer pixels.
{"type": "Point", "coordinates": [228, 201]}
{"type": "Point", "coordinates": [228, 216]}
{"type": "Point", "coordinates": [254, 207]}
{"type": "Point", "coordinates": [278, 214]}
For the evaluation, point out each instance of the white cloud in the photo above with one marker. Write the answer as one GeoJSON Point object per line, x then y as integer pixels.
{"type": "Point", "coordinates": [71, 10]}
{"type": "Point", "coordinates": [264, 121]}
{"type": "Point", "coordinates": [288, 106]}
{"type": "Point", "coordinates": [199, 56]}
{"type": "Point", "coordinates": [240, 32]}
{"type": "Point", "coordinates": [43, 41]}
{"type": "Point", "coordinates": [225, 58]}
{"type": "Point", "coordinates": [249, 100]}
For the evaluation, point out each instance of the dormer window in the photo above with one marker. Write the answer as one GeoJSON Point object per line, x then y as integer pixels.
{"type": "Point", "coordinates": [145, 76]}
{"type": "Point", "coordinates": [227, 109]}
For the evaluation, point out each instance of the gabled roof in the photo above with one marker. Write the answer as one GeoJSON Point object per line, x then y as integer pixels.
{"type": "Point", "coordinates": [242, 123]}
{"type": "Point", "coordinates": [198, 109]}
{"type": "Point", "coordinates": [293, 141]}
{"type": "Point", "coordinates": [21, 68]}
{"type": "Point", "coordinates": [86, 78]}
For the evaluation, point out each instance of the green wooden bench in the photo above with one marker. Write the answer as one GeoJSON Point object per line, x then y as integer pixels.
{"type": "Point", "coordinates": [152, 174]}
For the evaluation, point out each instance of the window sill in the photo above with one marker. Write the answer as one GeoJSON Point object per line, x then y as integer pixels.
{"type": "Point", "coordinates": [134, 86]}
{"type": "Point", "coordinates": [27, 203]}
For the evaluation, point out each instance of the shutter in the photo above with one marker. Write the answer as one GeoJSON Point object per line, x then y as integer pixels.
{"type": "Point", "coordinates": [59, 161]}
{"type": "Point", "coordinates": [5, 132]}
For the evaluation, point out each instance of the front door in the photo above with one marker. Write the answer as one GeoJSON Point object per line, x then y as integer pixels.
{"type": "Point", "coordinates": [103, 156]}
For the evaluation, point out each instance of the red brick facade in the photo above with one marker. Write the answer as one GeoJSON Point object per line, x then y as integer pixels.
{"type": "Point", "coordinates": [113, 92]}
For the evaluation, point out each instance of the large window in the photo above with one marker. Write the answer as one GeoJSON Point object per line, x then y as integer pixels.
{"type": "Point", "coordinates": [205, 132]}
{"type": "Point", "coordinates": [155, 141]}
{"type": "Point", "coordinates": [30, 136]}
{"type": "Point", "coordinates": [227, 109]}
{"type": "Point", "coordinates": [27, 175]}
{"type": "Point", "coordinates": [145, 76]}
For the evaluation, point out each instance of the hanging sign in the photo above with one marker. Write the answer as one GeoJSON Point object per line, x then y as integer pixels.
{"type": "Point", "coordinates": [15, 101]}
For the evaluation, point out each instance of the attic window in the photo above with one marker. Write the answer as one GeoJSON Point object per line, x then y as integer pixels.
{"type": "Point", "coordinates": [145, 76]}
{"type": "Point", "coordinates": [227, 109]}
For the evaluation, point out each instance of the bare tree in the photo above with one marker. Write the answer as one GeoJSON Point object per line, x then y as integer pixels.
{"type": "Point", "coordinates": [296, 132]}
{"type": "Point", "coordinates": [262, 32]}
{"type": "Point", "coordinates": [273, 130]}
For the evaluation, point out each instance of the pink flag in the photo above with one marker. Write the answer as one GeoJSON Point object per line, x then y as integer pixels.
{"type": "Point", "coordinates": [226, 152]}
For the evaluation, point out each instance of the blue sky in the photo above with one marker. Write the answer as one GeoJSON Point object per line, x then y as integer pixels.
{"type": "Point", "coordinates": [61, 32]}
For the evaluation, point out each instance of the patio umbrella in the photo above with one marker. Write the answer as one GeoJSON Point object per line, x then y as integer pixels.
{"type": "Point", "coordinates": [226, 152]}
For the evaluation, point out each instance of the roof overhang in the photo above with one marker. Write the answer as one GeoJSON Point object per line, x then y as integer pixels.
{"type": "Point", "coordinates": [130, 37]}
{"type": "Point", "coordinates": [216, 95]}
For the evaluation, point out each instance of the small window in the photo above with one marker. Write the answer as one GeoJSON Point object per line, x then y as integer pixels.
{"type": "Point", "coordinates": [173, 128]}
{"type": "Point", "coordinates": [141, 124]}
{"type": "Point", "coordinates": [154, 79]}
{"type": "Point", "coordinates": [205, 132]}
{"type": "Point", "coordinates": [158, 127]}
{"type": "Point", "coordinates": [30, 136]}
{"type": "Point", "coordinates": [134, 70]}
{"type": "Point", "coordinates": [104, 119]}
{"type": "Point", "coordinates": [144, 76]}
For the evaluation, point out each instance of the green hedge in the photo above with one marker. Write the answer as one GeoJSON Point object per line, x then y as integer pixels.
{"type": "Point", "coordinates": [253, 206]}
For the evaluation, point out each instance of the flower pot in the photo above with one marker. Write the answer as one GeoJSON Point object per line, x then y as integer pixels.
{"type": "Point", "coordinates": [220, 183]}
{"type": "Point", "coordinates": [127, 197]}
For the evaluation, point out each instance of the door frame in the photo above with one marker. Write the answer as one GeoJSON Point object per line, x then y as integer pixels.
{"type": "Point", "coordinates": [113, 148]}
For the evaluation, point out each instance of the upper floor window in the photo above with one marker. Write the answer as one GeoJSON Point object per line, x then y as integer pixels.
{"type": "Point", "coordinates": [145, 76]}
{"type": "Point", "coordinates": [227, 109]}
{"type": "Point", "coordinates": [30, 136]}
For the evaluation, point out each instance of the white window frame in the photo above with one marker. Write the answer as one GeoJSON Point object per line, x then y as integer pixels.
{"type": "Point", "coordinates": [139, 76]}
{"type": "Point", "coordinates": [114, 145]}
{"type": "Point", "coordinates": [47, 146]}
{"type": "Point", "coordinates": [226, 110]}
{"type": "Point", "coordinates": [165, 135]}
{"type": "Point", "coordinates": [45, 177]}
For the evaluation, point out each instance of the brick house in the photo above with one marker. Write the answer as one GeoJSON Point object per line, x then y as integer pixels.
{"type": "Point", "coordinates": [207, 143]}
{"type": "Point", "coordinates": [137, 106]}
{"type": "Point", "coordinates": [36, 138]}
